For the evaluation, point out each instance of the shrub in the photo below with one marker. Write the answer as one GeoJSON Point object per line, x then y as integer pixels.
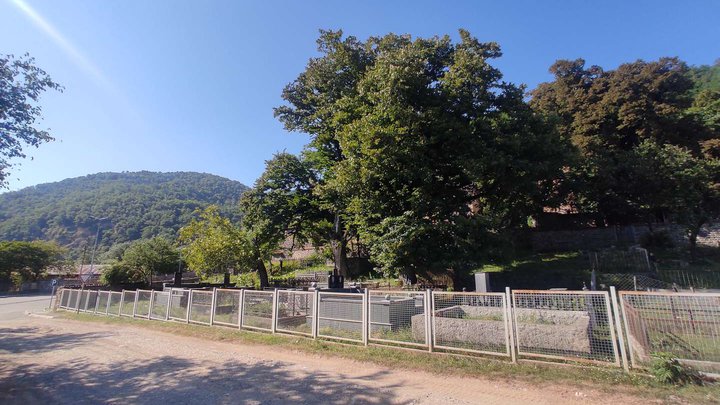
{"type": "Point", "coordinates": [660, 240]}
{"type": "Point", "coordinates": [116, 274]}
{"type": "Point", "coordinates": [669, 370]}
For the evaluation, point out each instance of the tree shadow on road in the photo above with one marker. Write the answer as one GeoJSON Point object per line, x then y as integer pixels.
{"type": "Point", "coordinates": [175, 380]}
{"type": "Point", "coordinates": [37, 340]}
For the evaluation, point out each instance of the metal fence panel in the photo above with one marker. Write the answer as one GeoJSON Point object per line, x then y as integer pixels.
{"type": "Point", "coordinates": [72, 299]}
{"type": "Point", "coordinates": [686, 325]}
{"type": "Point", "coordinates": [102, 301]}
{"type": "Point", "coordinates": [257, 310]}
{"type": "Point", "coordinates": [340, 316]}
{"type": "Point", "coordinates": [160, 300]}
{"type": "Point", "coordinates": [295, 312]}
{"type": "Point", "coordinates": [398, 317]}
{"type": "Point", "coordinates": [471, 322]}
{"type": "Point", "coordinates": [64, 298]}
{"type": "Point", "coordinates": [566, 325]}
{"type": "Point", "coordinates": [113, 307]}
{"type": "Point", "coordinates": [227, 307]}
{"type": "Point", "coordinates": [201, 307]}
{"type": "Point", "coordinates": [179, 304]}
{"type": "Point", "coordinates": [143, 303]}
{"type": "Point", "coordinates": [91, 301]}
{"type": "Point", "coordinates": [128, 303]}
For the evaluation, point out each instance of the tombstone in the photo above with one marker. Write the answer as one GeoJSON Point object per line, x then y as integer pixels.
{"type": "Point", "coordinates": [482, 282]}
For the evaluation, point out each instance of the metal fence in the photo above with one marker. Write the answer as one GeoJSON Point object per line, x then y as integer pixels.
{"type": "Point", "coordinates": [398, 317]}
{"type": "Point", "coordinates": [576, 326]}
{"type": "Point", "coordinates": [686, 325]}
{"type": "Point", "coordinates": [471, 322]}
{"type": "Point", "coordinates": [257, 310]}
{"type": "Point", "coordinates": [295, 312]}
{"type": "Point", "coordinates": [227, 307]}
{"type": "Point", "coordinates": [341, 316]}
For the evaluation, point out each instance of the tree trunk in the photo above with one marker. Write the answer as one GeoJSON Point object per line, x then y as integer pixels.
{"type": "Point", "coordinates": [410, 276]}
{"type": "Point", "coordinates": [338, 243]}
{"type": "Point", "coordinates": [692, 238]}
{"type": "Point", "coordinates": [262, 273]}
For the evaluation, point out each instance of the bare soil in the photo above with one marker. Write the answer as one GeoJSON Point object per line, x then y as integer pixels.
{"type": "Point", "coordinates": [64, 361]}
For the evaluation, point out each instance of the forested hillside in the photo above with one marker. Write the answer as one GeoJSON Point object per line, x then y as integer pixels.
{"type": "Point", "coordinates": [136, 205]}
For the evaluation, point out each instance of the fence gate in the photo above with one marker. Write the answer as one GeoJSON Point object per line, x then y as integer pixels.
{"type": "Point", "coordinates": [686, 325]}
{"type": "Point", "coordinates": [471, 322]}
{"type": "Point", "coordinates": [565, 325]}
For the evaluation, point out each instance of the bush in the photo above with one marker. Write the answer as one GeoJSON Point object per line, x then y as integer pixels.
{"type": "Point", "coordinates": [669, 370]}
{"type": "Point", "coordinates": [117, 273]}
{"type": "Point", "coordinates": [248, 280]}
{"type": "Point", "coordinates": [660, 240]}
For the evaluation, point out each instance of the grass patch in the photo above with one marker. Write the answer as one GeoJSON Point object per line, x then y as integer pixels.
{"type": "Point", "coordinates": [607, 380]}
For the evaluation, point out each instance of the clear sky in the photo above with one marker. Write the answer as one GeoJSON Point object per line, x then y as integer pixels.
{"type": "Point", "coordinates": [190, 85]}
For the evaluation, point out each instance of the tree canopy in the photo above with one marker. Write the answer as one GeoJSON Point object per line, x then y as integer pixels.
{"type": "Point", "coordinates": [21, 85]}
{"type": "Point", "coordinates": [26, 261]}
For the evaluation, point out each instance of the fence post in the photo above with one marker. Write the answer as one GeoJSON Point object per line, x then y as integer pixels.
{"type": "Point", "coordinates": [152, 302]}
{"type": "Point", "coordinates": [107, 307]}
{"type": "Point", "coordinates": [122, 301]}
{"type": "Point", "coordinates": [167, 308]}
{"type": "Point", "coordinates": [618, 326]}
{"type": "Point", "coordinates": [137, 295]}
{"type": "Point", "coordinates": [241, 308]}
{"type": "Point", "coordinates": [366, 316]}
{"type": "Point", "coordinates": [189, 305]}
{"type": "Point", "coordinates": [432, 319]}
{"type": "Point", "coordinates": [273, 318]}
{"type": "Point", "coordinates": [213, 305]}
{"type": "Point", "coordinates": [510, 323]}
{"type": "Point", "coordinates": [316, 311]}
{"type": "Point", "coordinates": [97, 302]}
{"type": "Point", "coordinates": [77, 301]}
{"type": "Point", "coordinates": [428, 320]}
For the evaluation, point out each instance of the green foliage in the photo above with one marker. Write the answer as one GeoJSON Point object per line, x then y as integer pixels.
{"type": "Point", "coordinates": [145, 258]}
{"type": "Point", "coordinates": [27, 261]}
{"type": "Point", "coordinates": [118, 273]}
{"type": "Point", "coordinates": [668, 370]}
{"type": "Point", "coordinates": [212, 243]}
{"type": "Point", "coordinates": [21, 84]}
{"type": "Point", "coordinates": [138, 205]}
{"type": "Point", "coordinates": [248, 280]}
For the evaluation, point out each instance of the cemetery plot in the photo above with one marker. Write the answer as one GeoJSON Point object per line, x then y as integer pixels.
{"type": "Point", "coordinates": [257, 310]}
{"type": "Point", "coordinates": [227, 307]}
{"type": "Point", "coordinates": [295, 312]}
{"type": "Point", "coordinates": [341, 315]}
{"type": "Point", "coordinates": [398, 317]}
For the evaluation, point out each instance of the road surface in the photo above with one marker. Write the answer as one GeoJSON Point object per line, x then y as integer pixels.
{"type": "Point", "coordinates": [63, 361]}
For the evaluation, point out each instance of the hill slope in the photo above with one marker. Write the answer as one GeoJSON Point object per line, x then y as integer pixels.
{"type": "Point", "coordinates": [137, 205]}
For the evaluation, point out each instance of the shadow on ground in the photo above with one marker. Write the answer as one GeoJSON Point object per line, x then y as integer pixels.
{"type": "Point", "coordinates": [172, 380]}
{"type": "Point", "coordinates": [34, 340]}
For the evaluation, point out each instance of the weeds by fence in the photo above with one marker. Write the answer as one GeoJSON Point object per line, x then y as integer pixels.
{"type": "Point", "coordinates": [576, 326]}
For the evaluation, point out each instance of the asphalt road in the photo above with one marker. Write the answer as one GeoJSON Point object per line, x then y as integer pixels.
{"type": "Point", "coordinates": [14, 307]}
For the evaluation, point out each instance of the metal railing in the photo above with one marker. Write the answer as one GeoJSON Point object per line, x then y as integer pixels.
{"type": "Point", "coordinates": [576, 326]}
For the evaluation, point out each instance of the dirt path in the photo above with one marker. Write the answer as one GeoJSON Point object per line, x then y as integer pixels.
{"type": "Point", "coordinates": [62, 361]}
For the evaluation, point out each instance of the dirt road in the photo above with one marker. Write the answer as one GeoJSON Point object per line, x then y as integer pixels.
{"type": "Point", "coordinates": [64, 361]}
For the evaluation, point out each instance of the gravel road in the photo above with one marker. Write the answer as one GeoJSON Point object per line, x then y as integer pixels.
{"type": "Point", "coordinates": [65, 361]}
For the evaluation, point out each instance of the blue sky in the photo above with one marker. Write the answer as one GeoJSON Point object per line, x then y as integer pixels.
{"type": "Point", "coordinates": [190, 85]}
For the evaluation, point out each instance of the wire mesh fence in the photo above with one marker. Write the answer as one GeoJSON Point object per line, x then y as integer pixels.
{"type": "Point", "coordinates": [295, 311]}
{"type": "Point", "coordinates": [560, 325]}
{"type": "Point", "coordinates": [103, 298]}
{"type": "Point", "coordinates": [160, 302]}
{"type": "Point", "coordinates": [686, 325]}
{"type": "Point", "coordinates": [566, 325]}
{"type": "Point", "coordinates": [227, 307]}
{"type": "Point", "coordinates": [127, 307]}
{"type": "Point", "coordinates": [142, 309]}
{"type": "Point", "coordinates": [471, 322]}
{"type": "Point", "coordinates": [398, 317]}
{"type": "Point", "coordinates": [179, 300]}
{"type": "Point", "coordinates": [257, 310]}
{"type": "Point", "coordinates": [201, 306]}
{"type": "Point", "coordinates": [340, 316]}
{"type": "Point", "coordinates": [113, 307]}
